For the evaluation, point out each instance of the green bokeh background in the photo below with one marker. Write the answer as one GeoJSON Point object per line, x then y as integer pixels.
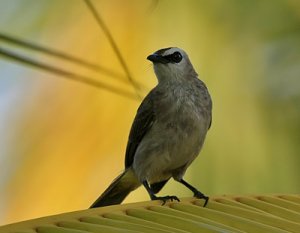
{"type": "Point", "coordinates": [246, 51]}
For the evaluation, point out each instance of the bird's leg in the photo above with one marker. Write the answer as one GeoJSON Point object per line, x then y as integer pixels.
{"type": "Point", "coordinates": [154, 197]}
{"type": "Point", "coordinates": [196, 192]}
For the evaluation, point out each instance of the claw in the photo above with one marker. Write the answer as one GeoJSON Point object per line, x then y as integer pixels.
{"type": "Point", "coordinates": [201, 196]}
{"type": "Point", "coordinates": [166, 198]}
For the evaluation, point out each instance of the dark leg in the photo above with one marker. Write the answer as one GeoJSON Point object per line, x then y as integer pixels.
{"type": "Point", "coordinates": [154, 197]}
{"type": "Point", "coordinates": [156, 187]}
{"type": "Point", "coordinates": [196, 192]}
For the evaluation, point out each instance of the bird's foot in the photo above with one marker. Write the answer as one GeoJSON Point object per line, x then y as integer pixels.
{"type": "Point", "coordinates": [200, 195]}
{"type": "Point", "coordinates": [164, 199]}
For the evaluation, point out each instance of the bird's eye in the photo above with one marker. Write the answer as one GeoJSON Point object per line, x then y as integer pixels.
{"type": "Point", "coordinates": [176, 57]}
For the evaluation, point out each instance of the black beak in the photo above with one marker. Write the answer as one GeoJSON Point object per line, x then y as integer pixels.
{"type": "Point", "coordinates": [155, 58]}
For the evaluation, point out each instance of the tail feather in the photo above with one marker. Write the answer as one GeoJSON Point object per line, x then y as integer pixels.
{"type": "Point", "coordinates": [118, 189]}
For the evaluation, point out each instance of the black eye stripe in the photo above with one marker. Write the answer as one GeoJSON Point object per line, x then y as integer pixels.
{"type": "Point", "coordinates": [175, 57]}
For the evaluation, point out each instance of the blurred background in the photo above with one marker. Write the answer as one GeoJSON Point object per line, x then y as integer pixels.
{"type": "Point", "coordinates": [62, 141]}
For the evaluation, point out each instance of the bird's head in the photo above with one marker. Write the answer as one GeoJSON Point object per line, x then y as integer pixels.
{"type": "Point", "coordinates": [172, 64]}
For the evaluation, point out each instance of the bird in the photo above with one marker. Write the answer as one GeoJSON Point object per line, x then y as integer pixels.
{"type": "Point", "coordinates": [167, 133]}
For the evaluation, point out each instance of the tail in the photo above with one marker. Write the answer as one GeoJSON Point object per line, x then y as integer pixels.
{"type": "Point", "coordinates": [118, 189]}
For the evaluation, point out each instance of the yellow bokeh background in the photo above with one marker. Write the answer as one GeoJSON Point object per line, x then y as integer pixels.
{"type": "Point", "coordinates": [62, 142]}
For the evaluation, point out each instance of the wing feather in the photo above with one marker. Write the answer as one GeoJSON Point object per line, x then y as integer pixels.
{"type": "Point", "coordinates": [142, 123]}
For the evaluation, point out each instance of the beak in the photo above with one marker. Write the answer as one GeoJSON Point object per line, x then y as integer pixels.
{"type": "Point", "coordinates": [155, 58]}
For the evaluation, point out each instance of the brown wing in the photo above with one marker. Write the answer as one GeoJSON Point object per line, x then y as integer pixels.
{"type": "Point", "coordinates": [140, 126]}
